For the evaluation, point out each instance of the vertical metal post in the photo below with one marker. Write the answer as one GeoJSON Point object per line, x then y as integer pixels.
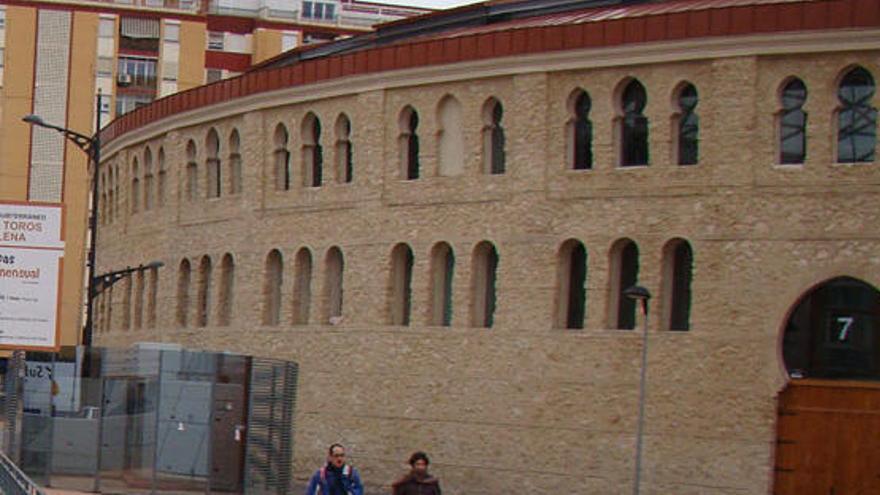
{"type": "Point", "coordinates": [100, 447]}
{"type": "Point", "coordinates": [95, 155]}
{"type": "Point", "coordinates": [640, 425]}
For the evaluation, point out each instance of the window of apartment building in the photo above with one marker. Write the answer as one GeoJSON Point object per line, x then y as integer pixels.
{"type": "Point", "coordinates": [633, 125]}
{"type": "Point", "coordinates": [137, 72]}
{"type": "Point", "coordinates": [127, 103]}
{"type": "Point", "coordinates": [172, 32]}
{"type": "Point", "coordinates": [484, 266]}
{"type": "Point", "coordinates": [442, 272]}
{"type": "Point", "coordinates": [227, 290]}
{"type": "Point", "coordinates": [687, 126]}
{"type": "Point", "coordinates": [334, 269]}
{"type": "Point", "coordinates": [572, 277]}
{"type": "Point", "coordinates": [272, 288]}
{"type": "Point", "coordinates": [215, 40]}
{"type": "Point", "coordinates": [400, 285]}
{"type": "Point", "coordinates": [493, 137]}
{"type": "Point", "coordinates": [792, 123]}
{"type": "Point", "coordinates": [579, 131]}
{"type": "Point", "coordinates": [624, 274]}
{"type": "Point", "coordinates": [857, 118]}
{"type": "Point", "coordinates": [318, 10]}
{"type": "Point", "coordinates": [302, 287]}
{"type": "Point", "coordinates": [106, 27]}
{"type": "Point", "coordinates": [312, 151]}
{"type": "Point", "coordinates": [138, 33]}
{"type": "Point", "coordinates": [2, 17]}
{"type": "Point", "coordinates": [203, 298]}
{"type": "Point", "coordinates": [678, 262]}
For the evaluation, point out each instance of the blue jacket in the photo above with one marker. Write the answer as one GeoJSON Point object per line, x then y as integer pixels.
{"type": "Point", "coordinates": [320, 482]}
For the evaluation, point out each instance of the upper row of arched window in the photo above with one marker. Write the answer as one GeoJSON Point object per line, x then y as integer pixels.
{"type": "Point", "coordinates": [856, 122]}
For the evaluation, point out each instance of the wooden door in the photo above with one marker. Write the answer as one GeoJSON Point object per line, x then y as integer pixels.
{"type": "Point", "coordinates": [828, 438]}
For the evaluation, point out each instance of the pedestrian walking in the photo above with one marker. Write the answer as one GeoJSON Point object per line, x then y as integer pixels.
{"type": "Point", "coordinates": [336, 477]}
{"type": "Point", "coordinates": [417, 481]}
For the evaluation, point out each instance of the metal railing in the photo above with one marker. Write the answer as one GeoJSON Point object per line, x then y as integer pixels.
{"type": "Point", "coordinates": [13, 481]}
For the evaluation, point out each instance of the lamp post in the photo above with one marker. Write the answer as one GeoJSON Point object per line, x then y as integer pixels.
{"type": "Point", "coordinates": [92, 147]}
{"type": "Point", "coordinates": [639, 293]}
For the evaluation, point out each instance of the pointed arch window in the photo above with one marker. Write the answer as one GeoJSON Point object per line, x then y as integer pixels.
{"type": "Point", "coordinates": [225, 300]}
{"type": "Point", "coordinates": [580, 131]}
{"type": "Point", "coordinates": [192, 172]}
{"type": "Point", "coordinates": [484, 269]}
{"type": "Point", "coordinates": [400, 286]}
{"type": "Point", "coordinates": [333, 290]}
{"type": "Point", "coordinates": [493, 138]}
{"type": "Point", "coordinates": [152, 292]}
{"type": "Point", "coordinates": [183, 282]}
{"type": "Point", "coordinates": [312, 152]}
{"type": "Point", "coordinates": [135, 186]}
{"type": "Point", "coordinates": [163, 178]}
{"type": "Point", "coordinates": [793, 123]}
{"type": "Point", "coordinates": [272, 288]}
{"type": "Point", "coordinates": [282, 159]}
{"type": "Point", "coordinates": [149, 186]}
{"type": "Point", "coordinates": [139, 300]}
{"type": "Point", "coordinates": [409, 143]}
{"type": "Point", "coordinates": [302, 287]}
{"type": "Point", "coordinates": [204, 295]}
{"type": "Point", "coordinates": [857, 119]}
{"type": "Point", "coordinates": [624, 274]}
{"type": "Point", "coordinates": [633, 125]}
{"type": "Point", "coordinates": [212, 165]}
{"type": "Point", "coordinates": [678, 260]}
{"type": "Point", "coordinates": [442, 273]}
{"type": "Point", "coordinates": [344, 157]}
{"type": "Point", "coordinates": [572, 276]}
{"type": "Point", "coordinates": [688, 125]}
{"type": "Point", "coordinates": [235, 179]}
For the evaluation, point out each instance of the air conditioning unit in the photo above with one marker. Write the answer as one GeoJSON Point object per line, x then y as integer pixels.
{"type": "Point", "coordinates": [123, 79]}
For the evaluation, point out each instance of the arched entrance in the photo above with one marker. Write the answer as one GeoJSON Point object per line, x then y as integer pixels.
{"type": "Point", "coordinates": [828, 430]}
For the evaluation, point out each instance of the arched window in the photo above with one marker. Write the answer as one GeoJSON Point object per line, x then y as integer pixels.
{"type": "Point", "coordinates": [624, 274]}
{"type": "Point", "coordinates": [135, 186]}
{"type": "Point", "coordinates": [139, 300]}
{"type": "Point", "coordinates": [579, 131]}
{"type": "Point", "coordinates": [212, 164]}
{"type": "Point", "coordinates": [302, 287]}
{"type": "Point", "coordinates": [282, 159]}
{"type": "Point", "coordinates": [126, 303]}
{"type": "Point", "coordinates": [450, 140]}
{"type": "Point", "coordinates": [484, 268]}
{"type": "Point", "coordinates": [183, 281]}
{"type": "Point", "coordinates": [572, 276]}
{"type": "Point", "coordinates": [333, 292]}
{"type": "Point", "coordinates": [678, 262]}
{"type": "Point", "coordinates": [204, 294]}
{"type": "Point", "coordinates": [272, 288]}
{"type": "Point", "coordinates": [409, 143]}
{"type": "Point", "coordinates": [116, 195]}
{"type": "Point", "coordinates": [493, 137]}
{"type": "Point", "coordinates": [857, 119]}
{"type": "Point", "coordinates": [235, 184]}
{"type": "Point", "coordinates": [102, 207]}
{"type": "Point", "coordinates": [400, 285]}
{"type": "Point", "coordinates": [149, 191]}
{"type": "Point", "coordinates": [108, 309]}
{"type": "Point", "coordinates": [192, 172]}
{"type": "Point", "coordinates": [312, 152]}
{"type": "Point", "coordinates": [227, 290]}
{"type": "Point", "coordinates": [152, 292]}
{"type": "Point", "coordinates": [163, 178]}
{"type": "Point", "coordinates": [832, 332]}
{"type": "Point", "coordinates": [633, 125]}
{"type": "Point", "coordinates": [793, 123]}
{"type": "Point", "coordinates": [344, 163]}
{"type": "Point", "coordinates": [442, 272]}
{"type": "Point", "coordinates": [111, 178]}
{"type": "Point", "coordinates": [687, 125]}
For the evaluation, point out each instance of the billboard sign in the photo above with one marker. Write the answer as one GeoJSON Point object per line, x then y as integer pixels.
{"type": "Point", "coordinates": [31, 259]}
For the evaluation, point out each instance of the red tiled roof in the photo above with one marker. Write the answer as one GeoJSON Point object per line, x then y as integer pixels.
{"type": "Point", "coordinates": [588, 28]}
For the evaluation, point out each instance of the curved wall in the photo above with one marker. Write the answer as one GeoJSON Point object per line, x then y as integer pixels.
{"type": "Point", "coordinates": [523, 406]}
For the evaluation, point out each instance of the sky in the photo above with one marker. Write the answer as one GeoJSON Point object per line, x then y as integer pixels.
{"type": "Point", "coordinates": [433, 4]}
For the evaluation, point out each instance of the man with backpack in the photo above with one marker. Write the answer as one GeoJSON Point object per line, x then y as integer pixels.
{"type": "Point", "coordinates": [336, 477]}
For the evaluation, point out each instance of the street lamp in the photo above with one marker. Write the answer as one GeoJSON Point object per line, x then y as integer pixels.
{"type": "Point", "coordinates": [92, 147]}
{"type": "Point", "coordinates": [639, 293]}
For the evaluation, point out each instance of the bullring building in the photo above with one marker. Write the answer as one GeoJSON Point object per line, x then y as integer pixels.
{"type": "Point", "coordinates": [439, 221]}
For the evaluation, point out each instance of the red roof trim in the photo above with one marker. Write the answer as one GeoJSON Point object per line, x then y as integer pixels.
{"type": "Point", "coordinates": [706, 18]}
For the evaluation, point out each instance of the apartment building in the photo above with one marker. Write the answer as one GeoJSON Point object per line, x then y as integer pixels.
{"type": "Point", "coordinates": [57, 56]}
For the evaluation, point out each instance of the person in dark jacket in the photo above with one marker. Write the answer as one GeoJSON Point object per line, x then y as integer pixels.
{"type": "Point", "coordinates": [417, 481]}
{"type": "Point", "coordinates": [336, 477]}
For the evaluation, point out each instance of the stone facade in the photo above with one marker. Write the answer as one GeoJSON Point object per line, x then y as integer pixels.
{"type": "Point", "coordinates": [523, 406]}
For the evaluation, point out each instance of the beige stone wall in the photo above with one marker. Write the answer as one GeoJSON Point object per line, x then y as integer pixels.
{"type": "Point", "coordinates": [524, 407]}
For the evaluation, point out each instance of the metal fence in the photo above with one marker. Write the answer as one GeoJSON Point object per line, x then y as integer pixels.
{"type": "Point", "coordinates": [13, 481]}
{"type": "Point", "coordinates": [151, 419]}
